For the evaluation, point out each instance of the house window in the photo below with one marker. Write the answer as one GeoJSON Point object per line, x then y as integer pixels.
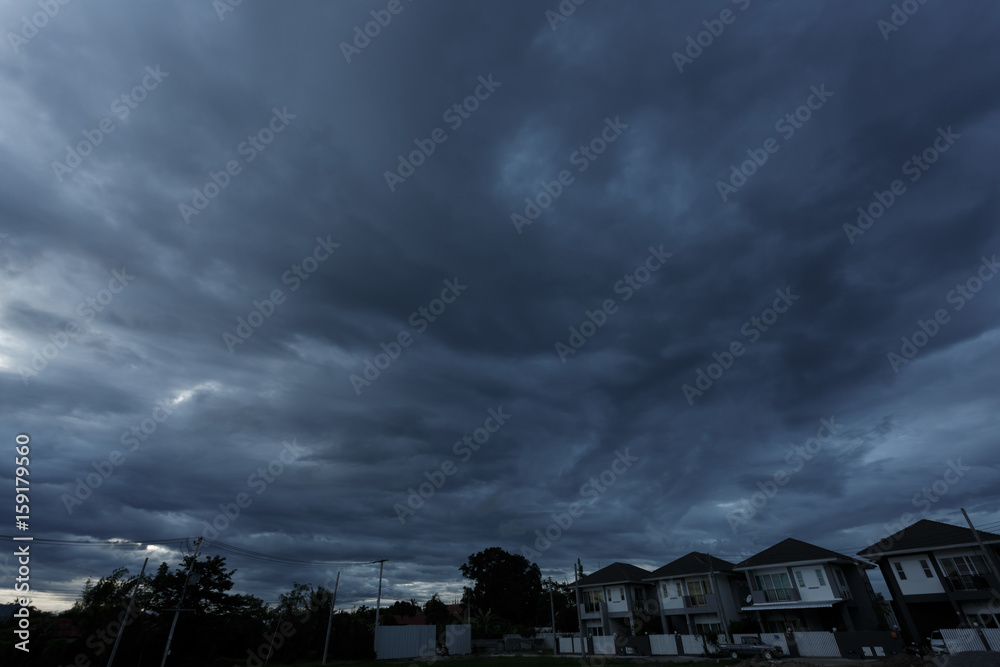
{"type": "Point", "coordinates": [899, 571]}
{"type": "Point", "coordinates": [621, 593]}
{"type": "Point", "coordinates": [840, 578]}
{"type": "Point", "coordinates": [777, 587]}
{"type": "Point", "coordinates": [799, 578]}
{"type": "Point", "coordinates": [679, 592]}
{"type": "Point", "coordinates": [698, 590]}
{"type": "Point", "coordinates": [965, 573]}
{"type": "Point", "coordinates": [666, 590]}
{"type": "Point", "coordinates": [970, 565]}
{"type": "Point", "coordinates": [822, 579]}
{"type": "Point", "coordinates": [927, 569]}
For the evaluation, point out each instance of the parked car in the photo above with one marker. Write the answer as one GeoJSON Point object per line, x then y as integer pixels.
{"type": "Point", "coordinates": [752, 646]}
{"type": "Point", "coordinates": [936, 642]}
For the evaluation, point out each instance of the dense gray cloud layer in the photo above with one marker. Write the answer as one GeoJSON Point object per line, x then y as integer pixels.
{"type": "Point", "coordinates": [522, 259]}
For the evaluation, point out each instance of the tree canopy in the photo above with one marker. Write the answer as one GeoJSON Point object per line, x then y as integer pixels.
{"type": "Point", "coordinates": [507, 585]}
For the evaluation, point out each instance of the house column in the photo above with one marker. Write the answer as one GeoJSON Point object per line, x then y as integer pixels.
{"type": "Point", "coordinates": [948, 590]}
{"type": "Point", "coordinates": [630, 601]}
{"type": "Point", "coordinates": [662, 606]}
{"type": "Point", "coordinates": [897, 595]}
{"type": "Point", "coordinates": [849, 624]}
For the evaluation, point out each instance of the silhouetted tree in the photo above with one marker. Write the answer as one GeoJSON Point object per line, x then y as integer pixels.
{"type": "Point", "coordinates": [506, 584]}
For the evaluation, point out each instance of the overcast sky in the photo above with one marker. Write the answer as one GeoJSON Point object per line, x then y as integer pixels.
{"type": "Point", "coordinates": [522, 256]}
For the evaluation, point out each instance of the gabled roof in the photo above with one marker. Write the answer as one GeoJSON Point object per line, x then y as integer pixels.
{"type": "Point", "coordinates": [796, 551]}
{"type": "Point", "coordinates": [691, 564]}
{"type": "Point", "coordinates": [616, 573]}
{"type": "Point", "coordinates": [926, 534]}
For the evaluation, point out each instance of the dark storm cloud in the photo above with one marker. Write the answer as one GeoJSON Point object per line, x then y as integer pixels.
{"type": "Point", "coordinates": [197, 375]}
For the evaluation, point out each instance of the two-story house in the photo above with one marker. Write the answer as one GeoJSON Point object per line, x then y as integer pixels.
{"type": "Point", "coordinates": [939, 577]}
{"type": "Point", "coordinates": [698, 593]}
{"type": "Point", "coordinates": [799, 586]}
{"type": "Point", "coordinates": [608, 599]}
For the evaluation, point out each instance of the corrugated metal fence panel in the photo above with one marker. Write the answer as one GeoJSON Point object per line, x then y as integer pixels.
{"type": "Point", "coordinates": [961, 640]}
{"type": "Point", "coordinates": [663, 645]}
{"type": "Point", "coordinates": [692, 645]}
{"type": "Point", "coordinates": [993, 637]}
{"type": "Point", "coordinates": [604, 645]}
{"type": "Point", "coordinates": [817, 644]}
{"type": "Point", "coordinates": [570, 645]}
{"type": "Point", "coordinates": [396, 642]}
{"type": "Point", "coordinates": [458, 639]}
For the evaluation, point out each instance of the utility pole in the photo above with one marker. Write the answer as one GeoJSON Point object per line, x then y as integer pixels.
{"type": "Point", "coordinates": [329, 623]}
{"type": "Point", "coordinates": [378, 603]}
{"type": "Point", "coordinates": [128, 613]}
{"type": "Point", "coordinates": [177, 612]}
{"type": "Point", "coordinates": [579, 615]}
{"type": "Point", "coordinates": [718, 598]}
{"type": "Point", "coordinates": [552, 608]}
{"type": "Point", "coordinates": [988, 556]}
{"type": "Point", "coordinates": [270, 646]}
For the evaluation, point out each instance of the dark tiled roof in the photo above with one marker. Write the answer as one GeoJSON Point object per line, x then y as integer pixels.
{"type": "Point", "coordinates": [616, 573]}
{"type": "Point", "coordinates": [793, 551]}
{"type": "Point", "coordinates": [693, 563]}
{"type": "Point", "coordinates": [926, 534]}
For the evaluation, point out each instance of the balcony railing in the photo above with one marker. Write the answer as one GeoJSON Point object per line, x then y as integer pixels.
{"type": "Point", "coordinates": [968, 582]}
{"type": "Point", "coordinates": [700, 600]}
{"type": "Point", "coordinates": [780, 595]}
